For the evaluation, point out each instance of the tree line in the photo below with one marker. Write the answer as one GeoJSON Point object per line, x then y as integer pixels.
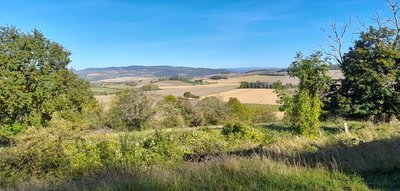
{"type": "Point", "coordinates": [262, 85]}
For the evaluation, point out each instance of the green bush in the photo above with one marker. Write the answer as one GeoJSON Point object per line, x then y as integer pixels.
{"type": "Point", "coordinates": [207, 111]}
{"type": "Point", "coordinates": [169, 115]}
{"type": "Point", "coordinates": [132, 110]}
{"type": "Point", "coordinates": [238, 130]}
{"type": "Point", "coordinates": [237, 110]}
{"type": "Point", "coordinates": [212, 110]}
{"type": "Point", "coordinates": [189, 112]}
{"type": "Point", "coordinates": [188, 95]}
{"type": "Point", "coordinates": [171, 99]}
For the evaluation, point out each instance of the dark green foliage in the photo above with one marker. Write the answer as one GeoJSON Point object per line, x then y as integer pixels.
{"type": "Point", "coordinates": [35, 82]}
{"type": "Point", "coordinates": [132, 109]}
{"type": "Point", "coordinates": [235, 129]}
{"type": "Point", "coordinates": [150, 87]}
{"type": "Point", "coordinates": [263, 85]}
{"type": "Point", "coordinates": [370, 89]}
{"type": "Point", "coordinates": [188, 95]}
{"type": "Point", "coordinates": [218, 77]}
{"type": "Point", "coordinates": [304, 108]}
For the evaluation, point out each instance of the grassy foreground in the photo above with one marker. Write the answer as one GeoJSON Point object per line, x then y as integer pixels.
{"type": "Point", "coordinates": [266, 157]}
{"type": "Point", "coordinates": [229, 174]}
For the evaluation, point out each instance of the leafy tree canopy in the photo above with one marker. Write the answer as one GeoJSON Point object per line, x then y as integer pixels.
{"type": "Point", "coordinates": [35, 81]}
{"type": "Point", "coordinates": [370, 89]}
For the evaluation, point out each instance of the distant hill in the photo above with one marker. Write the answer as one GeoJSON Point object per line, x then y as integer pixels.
{"type": "Point", "coordinates": [249, 69]}
{"type": "Point", "coordinates": [96, 74]}
{"type": "Point", "coordinates": [269, 72]}
{"type": "Point", "coordinates": [282, 71]}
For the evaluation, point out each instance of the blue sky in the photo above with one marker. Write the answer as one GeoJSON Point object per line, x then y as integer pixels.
{"type": "Point", "coordinates": [198, 33]}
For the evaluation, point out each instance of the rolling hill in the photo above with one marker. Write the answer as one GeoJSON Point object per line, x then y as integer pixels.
{"type": "Point", "coordinates": [96, 74]}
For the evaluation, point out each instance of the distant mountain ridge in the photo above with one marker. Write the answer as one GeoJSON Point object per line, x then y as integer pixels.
{"type": "Point", "coordinates": [96, 74]}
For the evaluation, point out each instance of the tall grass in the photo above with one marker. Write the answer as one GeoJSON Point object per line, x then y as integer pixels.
{"type": "Point", "coordinates": [272, 157]}
{"type": "Point", "coordinates": [231, 174]}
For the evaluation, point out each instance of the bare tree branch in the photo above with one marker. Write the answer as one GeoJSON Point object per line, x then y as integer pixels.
{"type": "Point", "coordinates": [394, 7]}
{"type": "Point", "coordinates": [335, 41]}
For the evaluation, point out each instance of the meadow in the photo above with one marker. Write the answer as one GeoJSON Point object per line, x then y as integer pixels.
{"type": "Point", "coordinates": [312, 129]}
{"type": "Point", "coordinates": [269, 156]}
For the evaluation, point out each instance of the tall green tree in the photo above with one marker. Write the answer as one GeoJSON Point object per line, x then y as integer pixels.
{"type": "Point", "coordinates": [370, 89]}
{"type": "Point", "coordinates": [371, 68]}
{"type": "Point", "coordinates": [35, 82]}
{"type": "Point", "coordinates": [303, 109]}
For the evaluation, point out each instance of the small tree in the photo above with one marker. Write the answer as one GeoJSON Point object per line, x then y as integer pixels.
{"type": "Point", "coordinates": [304, 108]}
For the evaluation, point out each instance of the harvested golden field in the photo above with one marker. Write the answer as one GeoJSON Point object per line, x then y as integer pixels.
{"type": "Point", "coordinates": [170, 87]}
{"type": "Point", "coordinates": [223, 88]}
{"type": "Point", "coordinates": [254, 96]}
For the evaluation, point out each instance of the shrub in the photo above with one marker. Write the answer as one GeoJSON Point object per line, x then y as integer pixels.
{"type": "Point", "coordinates": [207, 111]}
{"type": "Point", "coordinates": [169, 115]}
{"type": "Point", "coordinates": [237, 110]}
{"type": "Point", "coordinates": [212, 110]}
{"type": "Point", "coordinates": [189, 112]}
{"type": "Point", "coordinates": [132, 109]}
{"type": "Point", "coordinates": [238, 130]}
{"type": "Point", "coordinates": [188, 95]}
{"type": "Point", "coordinates": [170, 99]}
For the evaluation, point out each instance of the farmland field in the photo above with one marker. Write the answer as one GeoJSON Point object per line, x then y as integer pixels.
{"type": "Point", "coordinates": [254, 96]}
{"type": "Point", "coordinates": [220, 88]}
{"type": "Point", "coordinates": [227, 87]}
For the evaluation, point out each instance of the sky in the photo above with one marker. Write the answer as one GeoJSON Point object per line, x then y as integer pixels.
{"type": "Point", "coordinates": [195, 33]}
